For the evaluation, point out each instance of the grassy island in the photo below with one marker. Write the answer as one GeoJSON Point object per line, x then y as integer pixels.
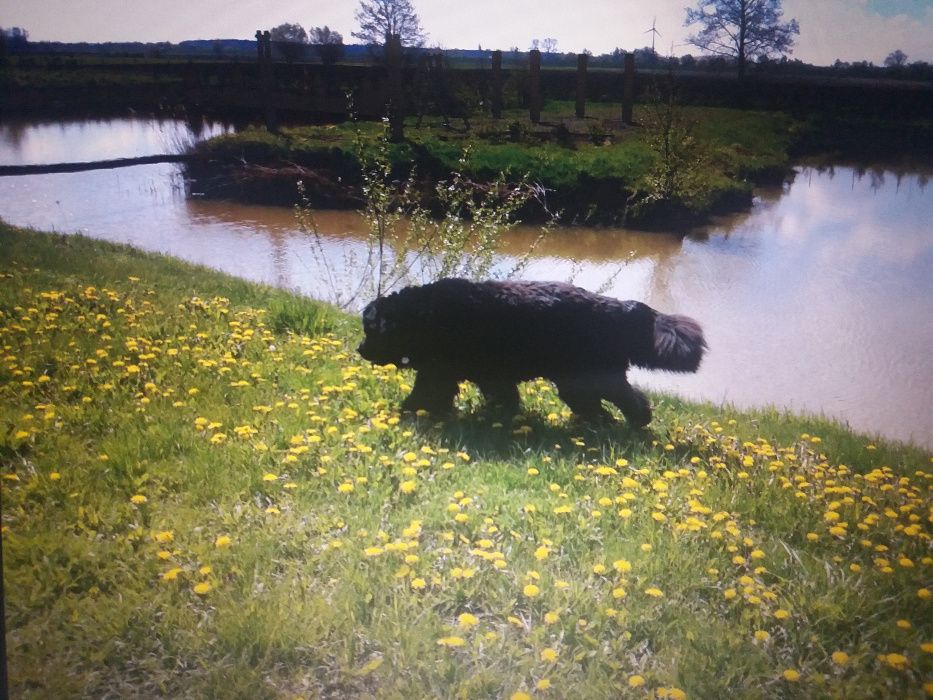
{"type": "Point", "coordinates": [686, 163]}
{"type": "Point", "coordinates": [206, 493]}
{"type": "Point", "coordinates": [591, 168]}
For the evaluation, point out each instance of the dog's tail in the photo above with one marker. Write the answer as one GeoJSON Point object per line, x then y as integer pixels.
{"type": "Point", "coordinates": [678, 345]}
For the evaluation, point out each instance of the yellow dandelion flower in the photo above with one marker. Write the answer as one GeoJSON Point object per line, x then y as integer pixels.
{"type": "Point", "coordinates": [467, 620]}
{"type": "Point", "coordinates": [452, 641]}
{"type": "Point", "coordinates": [138, 499]}
{"type": "Point", "coordinates": [762, 636]}
{"type": "Point", "coordinates": [927, 647]}
{"type": "Point", "coordinates": [222, 541]}
{"type": "Point", "coordinates": [791, 675]}
{"type": "Point", "coordinates": [548, 655]}
{"type": "Point", "coordinates": [636, 681]}
{"type": "Point", "coordinates": [408, 486]}
{"type": "Point", "coordinates": [543, 684]}
{"type": "Point", "coordinates": [781, 614]}
{"type": "Point", "coordinates": [924, 594]}
{"type": "Point", "coordinates": [418, 584]}
{"type": "Point", "coordinates": [268, 476]}
{"type": "Point", "coordinates": [171, 574]}
{"type": "Point", "coordinates": [519, 695]}
{"type": "Point", "coordinates": [618, 593]}
{"type": "Point", "coordinates": [654, 592]}
{"type": "Point", "coordinates": [164, 536]}
{"type": "Point", "coordinates": [622, 565]}
{"type": "Point", "coordinates": [203, 588]}
{"type": "Point", "coordinates": [840, 658]}
{"type": "Point", "coordinates": [542, 553]}
{"type": "Point", "coordinates": [894, 660]}
{"type": "Point", "coordinates": [531, 590]}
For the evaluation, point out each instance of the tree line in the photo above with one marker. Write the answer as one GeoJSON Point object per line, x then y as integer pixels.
{"type": "Point", "coordinates": [732, 34]}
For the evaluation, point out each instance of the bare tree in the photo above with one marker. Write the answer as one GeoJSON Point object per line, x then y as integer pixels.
{"type": "Point", "coordinates": [290, 39]}
{"type": "Point", "coordinates": [327, 43]}
{"type": "Point", "coordinates": [380, 18]}
{"type": "Point", "coordinates": [745, 29]}
{"type": "Point", "coordinates": [549, 45]}
{"type": "Point", "coordinates": [895, 59]}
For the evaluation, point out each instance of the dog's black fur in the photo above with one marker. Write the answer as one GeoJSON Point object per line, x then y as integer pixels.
{"type": "Point", "coordinates": [497, 334]}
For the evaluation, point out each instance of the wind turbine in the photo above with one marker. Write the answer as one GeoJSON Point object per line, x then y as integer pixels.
{"type": "Point", "coordinates": [654, 32]}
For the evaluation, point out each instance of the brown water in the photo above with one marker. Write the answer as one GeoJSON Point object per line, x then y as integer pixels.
{"type": "Point", "coordinates": [819, 299]}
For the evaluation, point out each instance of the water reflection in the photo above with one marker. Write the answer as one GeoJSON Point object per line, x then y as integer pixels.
{"type": "Point", "coordinates": [30, 142]}
{"type": "Point", "coordinates": [819, 299]}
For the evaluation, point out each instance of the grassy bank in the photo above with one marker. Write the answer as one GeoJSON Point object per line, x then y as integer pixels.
{"type": "Point", "coordinates": [206, 493]}
{"type": "Point", "coordinates": [590, 166]}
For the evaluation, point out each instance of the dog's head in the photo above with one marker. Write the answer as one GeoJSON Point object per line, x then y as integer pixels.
{"type": "Point", "coordinates": [385, 341]}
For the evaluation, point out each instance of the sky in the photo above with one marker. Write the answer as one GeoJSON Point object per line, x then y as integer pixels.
{"type": "Point", "coordinates": [849, 30]}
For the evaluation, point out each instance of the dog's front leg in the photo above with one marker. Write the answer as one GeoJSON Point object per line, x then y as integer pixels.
{"type": "Point", "coordinates": [434, 392]}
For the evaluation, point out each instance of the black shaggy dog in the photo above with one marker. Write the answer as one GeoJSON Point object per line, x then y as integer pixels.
{"type": "Point", "coordinates": [497, 334]}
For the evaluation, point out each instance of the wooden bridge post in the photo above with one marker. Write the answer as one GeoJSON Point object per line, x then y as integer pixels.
{"type": "Point", "coordinates": [496, 97]}
{"type": "Point", "coordinates": [628, 88]}
{"type": "Point", "coordinates": [535, 102]}
{"type": "Point", "coordinates": [393, 51]}
{"type": "Point", "coordinates": [581, 85]}
{"type": "Point", "coordinates": [266, 78]}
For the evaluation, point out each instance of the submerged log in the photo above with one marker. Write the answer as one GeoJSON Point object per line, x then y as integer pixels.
{"type": "Point", "coordinates": [44, 169]}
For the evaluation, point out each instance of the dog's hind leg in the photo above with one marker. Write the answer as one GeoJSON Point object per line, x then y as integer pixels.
{"type": "Point", "coordinates": [501, 393]}
{"type": "Point", "coordinates": [634, 405]}
{"type": "Point", "coordinates": [433, 392]}
{"type": "Point", "coordinates": [583, 394]}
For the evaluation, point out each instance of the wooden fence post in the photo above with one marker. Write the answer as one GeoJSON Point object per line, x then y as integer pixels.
{"type": "Point", "coordinates": [266, 78]}
{"type": "Point", "coordinates": [534, 86]}
{"type": "Point", "coordinates": [628, 88]}
{"type": "Point", "coordinates": [581, 85]}
{"type": "Point", "coordinates": [496, 97]}
{"type": "Point", "coordinates": [393, 50]}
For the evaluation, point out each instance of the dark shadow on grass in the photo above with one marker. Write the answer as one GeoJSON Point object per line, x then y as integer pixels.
{"type": "Point", "coordinates": [485, 433]}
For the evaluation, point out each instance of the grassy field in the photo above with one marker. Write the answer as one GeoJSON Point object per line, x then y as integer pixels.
{"type": "Point", "coordinates": [206, 493]}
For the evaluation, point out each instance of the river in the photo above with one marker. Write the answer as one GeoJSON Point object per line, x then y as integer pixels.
{"type": "Point", "coordinates": [819, 299]}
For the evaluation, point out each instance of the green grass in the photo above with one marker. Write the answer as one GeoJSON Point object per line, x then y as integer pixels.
{"type": "Point", "coordinates": [206, 493]}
